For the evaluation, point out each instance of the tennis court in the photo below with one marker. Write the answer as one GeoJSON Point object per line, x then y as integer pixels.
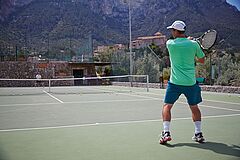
{"type": "Point", "coordinates": [114, 126]}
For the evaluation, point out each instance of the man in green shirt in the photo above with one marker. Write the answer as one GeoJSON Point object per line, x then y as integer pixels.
{"type": "Point", "coordinates": [183, 54]}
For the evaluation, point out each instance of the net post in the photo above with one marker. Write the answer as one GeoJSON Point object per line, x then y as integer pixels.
{"type": "Point", "coordinates": [130, 78]}
{"type": "Point", "coordinates": [147, 83]}
{"type": "Point", "coordinates": [49, 85]}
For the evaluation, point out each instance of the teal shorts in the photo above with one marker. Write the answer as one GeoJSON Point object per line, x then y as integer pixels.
{"type": "Point", "coordinates": [192, 93]}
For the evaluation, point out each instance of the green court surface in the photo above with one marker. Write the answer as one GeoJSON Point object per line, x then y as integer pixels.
{"type": "Point", "coordinates": [115, 126]}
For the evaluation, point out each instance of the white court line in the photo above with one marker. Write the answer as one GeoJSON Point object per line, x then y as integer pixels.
{"type": "Point", "coordinates": [221, 102]}
{"type": "Point", "coordinates": [221, 108]}
{"type": "Point", "coordinates": [111, 123]}
{"type": "Point", "coordinates": [107, 101]}
{"type": "Point", "coordinates": [83, 102]}
{"type": "Point", "coordinates": [140, 96]}
{"type": "Point", "coordinates": [27, 104]}
{"type": "Point", "coordinates": [128, 94]}
{"type": "Point", "coordinates": [160, 94]}
{"type": "Point", "coordinates": [221, 93]}
{"type": "Point", "coordinates": [79, 102]}
{"type": "Point", "coordinates": [53, 97]}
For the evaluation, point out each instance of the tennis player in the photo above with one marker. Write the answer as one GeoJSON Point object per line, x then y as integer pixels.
{"type": "Point", "coordinates": [183, 53]}
{"type": "Point", "coordinates": [38, 82]}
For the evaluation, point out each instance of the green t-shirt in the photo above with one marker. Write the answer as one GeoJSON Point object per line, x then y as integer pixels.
{"type": "Point", "coordinates": [182, 53]}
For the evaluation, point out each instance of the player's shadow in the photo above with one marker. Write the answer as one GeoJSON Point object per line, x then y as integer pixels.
{"type": "Point", "coordinates": [216, 147]}
{"type": "Point", "coordinates": [3, 155]}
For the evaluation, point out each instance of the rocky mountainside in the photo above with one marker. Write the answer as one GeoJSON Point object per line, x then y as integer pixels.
{"type": "Point", "coordinates": [36, 22]}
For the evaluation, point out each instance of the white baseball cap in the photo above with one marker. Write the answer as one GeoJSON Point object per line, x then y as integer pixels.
{"type": "Point", "coordinates": [178, 25]}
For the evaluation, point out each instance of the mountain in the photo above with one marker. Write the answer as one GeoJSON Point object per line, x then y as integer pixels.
{"type": "Point", "coordinates": [6, 7]}
{"type": "Point", "coordinates": [22, 2]}
{"type": "Point", "coordinates": [38, 24]}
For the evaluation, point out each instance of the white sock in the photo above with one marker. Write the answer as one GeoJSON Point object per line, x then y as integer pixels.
{"type": "Point", "coordinates": [166, 126]}
{"type": "Point", "coordinates": [197, 127]}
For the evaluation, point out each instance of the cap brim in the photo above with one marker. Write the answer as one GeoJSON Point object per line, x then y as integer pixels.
{"type": "Point", "coordinates": [170, 27]}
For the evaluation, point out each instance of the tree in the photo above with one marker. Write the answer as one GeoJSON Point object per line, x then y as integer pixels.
{"type": "Point", "coordinates": [230, 71]}
{"type": "Point", "coordinates": [226, 68]}
{"type": "Point", "coordinates": [148, 65]}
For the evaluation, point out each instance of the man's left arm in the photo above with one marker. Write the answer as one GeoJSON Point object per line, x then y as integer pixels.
{"type": "Point", "coordinates": [200, 56]}
{"type": "Point", "coordinates": [200, 60]}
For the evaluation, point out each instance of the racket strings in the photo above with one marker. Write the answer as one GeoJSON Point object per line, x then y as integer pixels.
{"type": "Point", "coordinates": [208, 39]}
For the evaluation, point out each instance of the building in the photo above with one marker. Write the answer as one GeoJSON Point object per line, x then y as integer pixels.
{"type": "Point", "coordinates": [48, 70]}
{"type": "Point", "coordinates": [115, 47]}
{"type": "Point", "coordinates": [158, 39]}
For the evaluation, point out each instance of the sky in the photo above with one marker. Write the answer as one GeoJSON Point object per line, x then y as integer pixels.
{"type": "Point", "coordinates": [235, 3]}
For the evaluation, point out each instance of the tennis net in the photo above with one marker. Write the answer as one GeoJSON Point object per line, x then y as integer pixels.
{"type": "Point", "coordinates": [85, 85]}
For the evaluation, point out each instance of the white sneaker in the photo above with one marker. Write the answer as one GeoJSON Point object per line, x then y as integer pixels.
{"type": "Point", "coordinates": [198, 138]}
{"type": "Point", "coordinates": [165, 137]}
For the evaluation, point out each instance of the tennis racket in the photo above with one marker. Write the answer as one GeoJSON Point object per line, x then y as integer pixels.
{"type": "Point", "coordinates": [207, 40]}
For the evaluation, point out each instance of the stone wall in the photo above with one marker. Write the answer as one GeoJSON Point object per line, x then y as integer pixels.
{"type": "Point", "coordinates": [223, 89]}
{"type": "Point", "coordinates": [29, 70]}
{"type": "Point", "coordinates": [47, 70]}
{"type": "Point", "coordinates": [17, 70]}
